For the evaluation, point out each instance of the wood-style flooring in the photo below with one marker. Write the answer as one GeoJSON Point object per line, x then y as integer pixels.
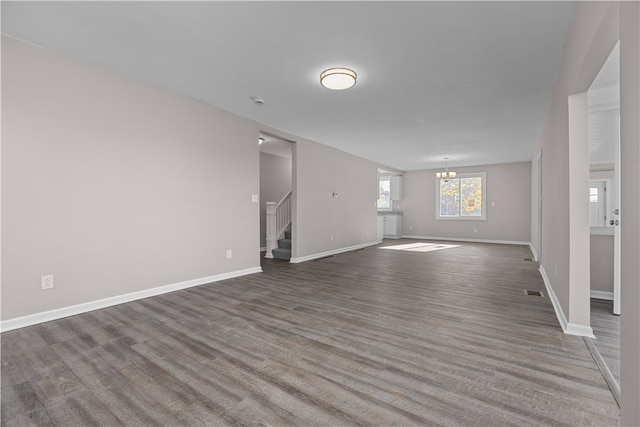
{"type": "Point", "coordinates": [371, 337]}
{"type": "Point", "coordinates": [606, 328]}
{"type": "Point", "coordinates": [605, 347]}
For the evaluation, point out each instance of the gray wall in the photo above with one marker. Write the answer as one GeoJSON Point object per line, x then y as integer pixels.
{"type": "Point", "coordinates": [593, 35]}
{"type": "Point", "coordinates": [601, 263]}
{"type": "Point", "coordinates": [573, 77]}
{"type": "Point", "coordinates": [508, 186]}
{"type": "Point", "coordinates": [275, 183]}
{"type": "Point", "coordinates": [115, 186]}
{"type": "Point", "coordinates": [596, 28]}
{"type": "Point", "coordinates": [629, 19]}
{"type": "Point", "coordinates": [350, 218]}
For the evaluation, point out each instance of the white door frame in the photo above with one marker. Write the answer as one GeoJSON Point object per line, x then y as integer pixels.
{"type": "Point", "coordinates": [539, 252]}
{"type": "Point", "coordinates": [616, 228]}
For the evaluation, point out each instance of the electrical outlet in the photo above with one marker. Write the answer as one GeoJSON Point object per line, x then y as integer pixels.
{"type": "Point", "coordinates": [46, 282]}
{"type": "Point", "coordinates": [332, 238]}
{"type": "Point", "coordinates": [475, 230]}
{"type": "Point", "coordinates": [229, 254]}
{"type": "Point", "coordinates": [410, 227]}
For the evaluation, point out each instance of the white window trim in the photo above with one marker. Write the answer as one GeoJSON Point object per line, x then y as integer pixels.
{"type": "Point", "coordinates": [464, 218]}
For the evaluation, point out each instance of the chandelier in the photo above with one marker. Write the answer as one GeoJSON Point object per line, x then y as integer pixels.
{"type": "Point", "coordinates": [447, 174]}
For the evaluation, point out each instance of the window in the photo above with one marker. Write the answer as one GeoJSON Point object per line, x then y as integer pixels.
{"type": "Point", "coordinates": [384, 192]}
{"type": "Point", "coordinates": [462, 198]}
{"type": "Point", "coordinates": [599, 202]}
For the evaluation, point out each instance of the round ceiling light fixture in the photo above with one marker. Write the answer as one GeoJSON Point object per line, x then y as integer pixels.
{"type": "Point", "coordinates": [338, 78]}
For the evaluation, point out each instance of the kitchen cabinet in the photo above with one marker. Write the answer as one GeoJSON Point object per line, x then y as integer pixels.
{"type": "Point", "coordinates": [392, 224]}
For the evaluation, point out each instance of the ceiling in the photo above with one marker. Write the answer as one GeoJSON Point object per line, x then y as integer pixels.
{"type": "Point", "coordinates": [467, 80]}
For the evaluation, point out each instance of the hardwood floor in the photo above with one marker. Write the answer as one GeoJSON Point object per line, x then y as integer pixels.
{"type": "Point", "coordinates": [606, 328]}
{"type": "Point", "coordinates": [371, 337]}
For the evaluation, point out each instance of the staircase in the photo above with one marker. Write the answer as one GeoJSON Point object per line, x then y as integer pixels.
{"type": "Point", "coordinates": [278, 220]}
{"type": "Point", "coordinates": [283, 251]}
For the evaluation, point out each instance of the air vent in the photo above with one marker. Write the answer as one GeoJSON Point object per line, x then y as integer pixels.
{"type": "Point", "coordinates": [527, 259]}
{"type": "Point", "coordinates": [533, 293]}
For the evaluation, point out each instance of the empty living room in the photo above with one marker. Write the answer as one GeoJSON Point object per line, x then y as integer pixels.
{"type": "Point", "coordinates": [316, 213]}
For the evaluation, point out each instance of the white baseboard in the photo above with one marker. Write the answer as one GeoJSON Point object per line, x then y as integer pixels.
{"type": "Point", "coordinates": [579, 330]}
{"type": "Point", "coordinates": [464, 239]}
{"type": "Point", "coordinates": [602, 295]}
{"type": "Point", "coordinates": [46, 316]}
{"type": "Point", "coordinates": [567, 328]}
{"type": "Point", "coordinates": [332, 252]}
{"type": "Point", "coordinates": [533, 251]}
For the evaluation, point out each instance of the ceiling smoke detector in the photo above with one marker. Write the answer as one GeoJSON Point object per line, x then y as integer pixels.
{"type": "Point", "coordinates": [257, 100]}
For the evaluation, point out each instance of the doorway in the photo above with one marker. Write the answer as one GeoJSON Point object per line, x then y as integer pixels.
{"type": "Point", "coordinates": [538, 254]}
{"type": "Point", "coordinates": [276, 178]}
{"type": "Point", "coordinates": [604, 216]}
{"type": "Point", "coordinates": [604, 179]}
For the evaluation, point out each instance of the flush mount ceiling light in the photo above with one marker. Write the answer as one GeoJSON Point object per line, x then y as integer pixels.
{"type": "Point", "coordinates": [338, 78]}
{"type": "Point", "coordinates": [447, 174]}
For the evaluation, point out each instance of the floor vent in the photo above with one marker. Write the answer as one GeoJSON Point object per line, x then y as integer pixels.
{"type": "Point", "coordinates": [528, 259]}
{"type": "Point", "coordinates": [533, 293]}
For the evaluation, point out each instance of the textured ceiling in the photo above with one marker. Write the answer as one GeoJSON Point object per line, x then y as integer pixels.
{"type": "Point", "coordinates": [467, 80]}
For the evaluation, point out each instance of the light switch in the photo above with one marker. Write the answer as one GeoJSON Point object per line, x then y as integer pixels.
{"type": "Point", "coordinates": [493, 203]}
{"type": "Point", "coordinates": [254, 198]}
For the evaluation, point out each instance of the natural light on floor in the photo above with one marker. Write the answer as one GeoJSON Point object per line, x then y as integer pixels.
{"type": "Point", "coordinates": [419, 247]}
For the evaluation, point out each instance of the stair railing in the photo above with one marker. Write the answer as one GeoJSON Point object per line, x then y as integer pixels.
{"type": "Point", "coordinates": [278, 219]}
